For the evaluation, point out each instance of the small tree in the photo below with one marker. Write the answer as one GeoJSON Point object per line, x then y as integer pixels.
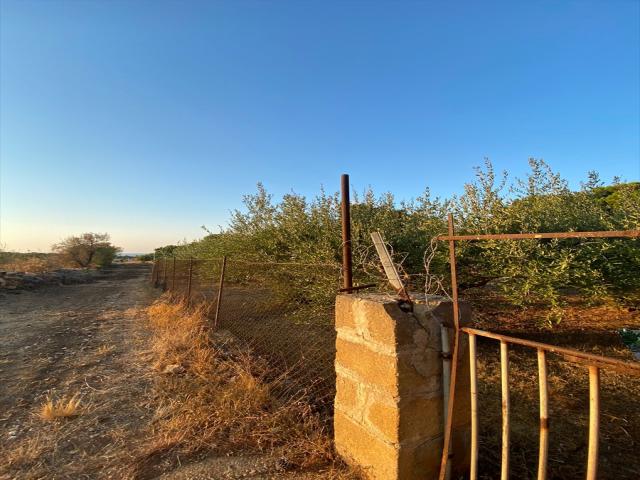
{"type": "Point", "coordinates": [87, 249]}
{"type": "Point", "coordinates": [104, 256]}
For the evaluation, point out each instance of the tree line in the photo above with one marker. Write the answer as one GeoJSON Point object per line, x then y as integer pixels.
{"type": "Point", "coordinates": [298, 229]}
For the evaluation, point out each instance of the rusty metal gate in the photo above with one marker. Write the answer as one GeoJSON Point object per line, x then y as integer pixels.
{"type": "Point", "coordinates": [592, 362]}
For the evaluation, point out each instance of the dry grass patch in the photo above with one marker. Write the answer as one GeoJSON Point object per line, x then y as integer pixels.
{"type": "Point", "coordinates": [54, 409]}
{"type": "Point", "coordinates": [221, 401]}
{"type": "Point", "coordinates": [105, 349]}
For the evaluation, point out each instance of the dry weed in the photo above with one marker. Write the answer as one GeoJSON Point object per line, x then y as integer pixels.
{"type": "Point", "coordinates": [222, 404]}
{"type": "Point", "coordinates": [105, 349]}
{"type": "Point", "coordinates": [53, 409]}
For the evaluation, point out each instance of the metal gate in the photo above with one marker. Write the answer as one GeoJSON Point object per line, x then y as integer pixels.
{"type": "Point", "coordinates": [592, 362]}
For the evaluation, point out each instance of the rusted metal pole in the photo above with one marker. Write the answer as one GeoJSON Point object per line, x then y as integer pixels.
{"type": "Point", "coordinates": [158, 274]}
{"type": "Point", "coordinates": [173, 275]}
{"type": "Point", "coordinates": [188, 300]}
{"type": "Point", "coordinates": [154, 273]}
{"type": "Point", "coordinates": [222, 271]}
{"type": "Point", "coordinates": [473, 377]}
{"type": "Point", "coordinates": [164, 276]}
{"type": "Point", "coordinates": [454, 364]}
{"type": "Point", "coordinates": [347, 266]}
{"type": "Point", "coordinates": [506, 408]}
{"type": "Point", "coordinates": [594, 422]}
{"type": "Point", "coordinates": [544, 415]}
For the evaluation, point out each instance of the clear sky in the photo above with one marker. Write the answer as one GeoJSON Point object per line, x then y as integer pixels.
{"type": "Point", "coordinates": [147, 119]}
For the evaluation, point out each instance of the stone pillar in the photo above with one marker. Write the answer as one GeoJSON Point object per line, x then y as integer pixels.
{"type": "Point", "coordinates": [388, 406]}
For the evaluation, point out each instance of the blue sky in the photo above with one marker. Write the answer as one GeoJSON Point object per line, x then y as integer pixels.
{"type": "Point", "coordinates": [147, 119]}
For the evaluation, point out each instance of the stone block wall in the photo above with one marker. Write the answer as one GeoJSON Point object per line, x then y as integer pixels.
{"type": "Point", "coordinates": [389, 417]}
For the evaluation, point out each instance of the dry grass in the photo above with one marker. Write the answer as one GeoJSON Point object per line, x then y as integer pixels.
{"type": "Point", "coordinates": [54, 409]}
{"type": "Point", "coordinates": [221, 402]}
{"type": "Point", "coordinates": [105, 349]}
{"type": "Point", "coordinates": [33, 264]}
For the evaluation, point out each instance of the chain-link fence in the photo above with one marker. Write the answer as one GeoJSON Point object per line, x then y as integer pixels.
{"type": "Point", "coordinates": [281, 312]}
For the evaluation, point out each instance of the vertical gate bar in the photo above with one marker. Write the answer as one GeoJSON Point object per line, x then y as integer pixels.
{"type": "Point", "coordinates": [173, 275]}
{"type": "Point", "coordinates": [473, 475]}
{"type": "Point", "coordinates": [188, 300]}
{"type": "Point", "coordinates": [347, 267]}
{"type": "Point", "coordinates": [222, 271]}
{"type": "Point", "coordinates": [594, 421]}
{"type": "Point", "coordinates": [504, 380]}
{"type": "Point", "coordinates": [454, 365]}
{"type": "Point", "coordinates": [544, 415]}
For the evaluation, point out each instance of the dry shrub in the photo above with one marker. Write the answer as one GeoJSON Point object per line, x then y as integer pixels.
{"type": "Point", "coordinates": [53, 409]}
{"type": "Point", "coordinates": [33, 263]}
{"type": "Point", "coordinates": [29, 264]}
{"type": "Point", "coordinates": [221, 402]}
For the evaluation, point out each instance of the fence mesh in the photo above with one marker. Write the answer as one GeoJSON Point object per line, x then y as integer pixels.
{"type": "Point", "coordinates": [281, 312]}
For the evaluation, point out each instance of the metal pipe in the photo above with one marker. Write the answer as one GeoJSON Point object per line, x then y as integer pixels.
{"type": "Point", "coordinates": [454, 368]}
{"type": "Point", "coordinates": [222, 271]}
{"type": "Point", "coordinates": [446, 378]}
{"type": "Point", "coordinates": [473, 377]}
{"type": "Point", "coordinates": [504, 383]}
{"type": "Point", "coordinates": [522, 236]}
{"type": "Point", "coordinates": [347, 267]}
{"type": "Point", "coordinates": [570, 354]}
{"type": "Point", "coordinates": [594, 422]}
{"type": "Point", "coordinates": [544, 415]}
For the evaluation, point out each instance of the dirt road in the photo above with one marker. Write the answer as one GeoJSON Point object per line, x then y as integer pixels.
{"type": "Point", "coordinates": [76, 340]}
{"type": "Point", "coordinates": [91, 342]}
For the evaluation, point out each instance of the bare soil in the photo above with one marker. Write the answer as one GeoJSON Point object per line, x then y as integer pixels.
{"type": "Point", "coordinates": [91, 341]}
{"type": "Point", "coordinates": [74, 340]}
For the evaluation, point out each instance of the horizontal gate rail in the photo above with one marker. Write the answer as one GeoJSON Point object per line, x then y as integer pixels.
{"type": "Point", "coordinates": [570, 354]}
{"type": "Point", "coordinates": [539, 236]}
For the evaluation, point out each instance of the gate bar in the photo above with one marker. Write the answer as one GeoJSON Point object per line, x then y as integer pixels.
{"type": "Point", "coordinates": [454, 364]}
{"type": "Point", "coordinates": [506, 404]}
{"type": "Point", "coordinates": [521, 236]}
{"type": "Point", "coordinates": [594, 421]}
{"type": "Point", "coordinates": [473, 376]}
{"type": "Point", "coordinates": [571, 355]}
{"type": "Point", "coordinates": [544, 415]}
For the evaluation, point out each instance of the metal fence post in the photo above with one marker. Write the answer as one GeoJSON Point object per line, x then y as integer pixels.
{"type": "Point", "coordinates": [154, 272]}
{"type": "Point", "coordinates": [347, 267]}
{"type": "Point", "coordinates": [173, 275]}
{"type": "Point", "coordinates": [164, 276]}
{"type": "Point", "coordinates": [224, 267]}
{"type": "Point", "coordinates": [189, 281]}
